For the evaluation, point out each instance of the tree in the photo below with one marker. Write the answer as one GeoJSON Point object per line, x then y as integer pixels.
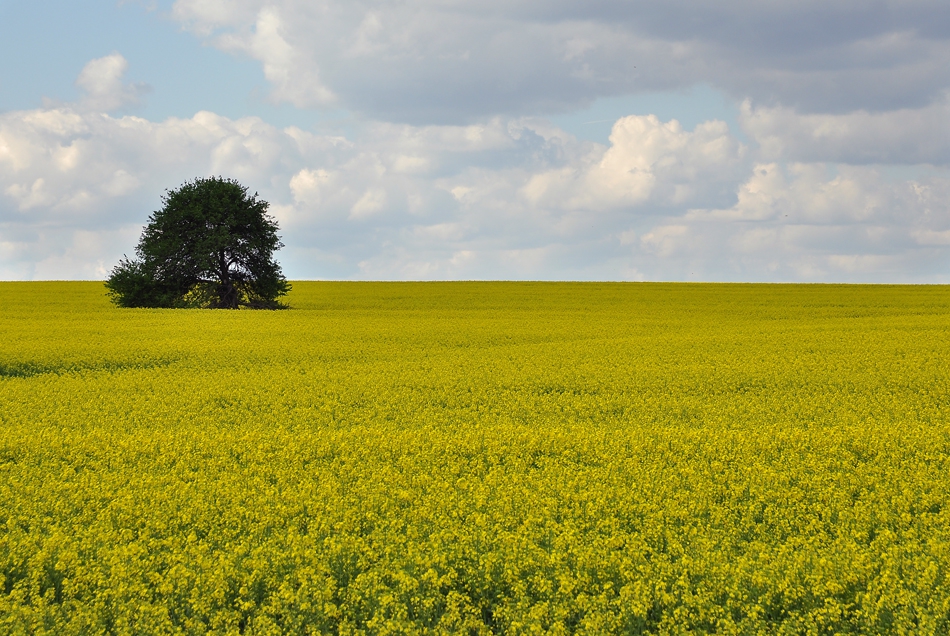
{"type": "Point", "coordinates": [211, 245]}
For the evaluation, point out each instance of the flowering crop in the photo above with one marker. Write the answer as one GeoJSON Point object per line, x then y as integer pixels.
{"type": "Point", "coordinates": [479, 458]}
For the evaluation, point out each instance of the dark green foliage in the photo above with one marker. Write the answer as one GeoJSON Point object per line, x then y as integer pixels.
{"type": "Point", "coordinates": [211, 245]}
{"type": "Point", "coordinates": [132, 285]}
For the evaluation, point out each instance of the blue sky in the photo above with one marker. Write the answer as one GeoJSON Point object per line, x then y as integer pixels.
{"type": "Point", "coordinates": [46, 43]}
{"type": "Point", "coordinates": [682, 140]}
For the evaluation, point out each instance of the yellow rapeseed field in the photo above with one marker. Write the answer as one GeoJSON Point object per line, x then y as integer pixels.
{"type": "Point", "coordinates": [518, 458]}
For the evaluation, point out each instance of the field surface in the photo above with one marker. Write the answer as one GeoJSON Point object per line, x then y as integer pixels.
{"type": "Point", "coordinates": [518, 458]}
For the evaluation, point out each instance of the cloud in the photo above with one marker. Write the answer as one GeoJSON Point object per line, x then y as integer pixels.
{"type": "Point", "coordinates": [67, 171]}
{"type": "Point", "coordinates": [905, 136]}
{"type": "Point", "coordinates": [76, 166]}
{"type": "Point", "coordinates": [820, 82]}
{"type": "Point", "coordinates": [931, 237]}
{"type": "Point", "coordinates": [103, 89]}
{"type": "Point", "coordinates": [826, 222]}
{"type": "Point", "coordinates": [648, 161]}
{"type": "Point", "coordinates": [428, 61]}
{"type": "Point", "coordinates": [502, 197]}
{"type": "Point", "coordinates": [807, 193]}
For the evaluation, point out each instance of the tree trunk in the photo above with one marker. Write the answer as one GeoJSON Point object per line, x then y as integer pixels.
{"type": "Point", "coordinates": [227, 292]}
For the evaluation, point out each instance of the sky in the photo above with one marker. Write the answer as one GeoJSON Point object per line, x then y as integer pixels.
{"type": "Point", "coordinates": [674, 140]}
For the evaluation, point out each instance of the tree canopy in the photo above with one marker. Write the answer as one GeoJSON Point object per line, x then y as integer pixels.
{"type": "Point", "coordinates": [211, 245]}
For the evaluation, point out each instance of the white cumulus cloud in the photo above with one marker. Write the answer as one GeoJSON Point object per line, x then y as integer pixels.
{"type": "Point", "coordinates": [103, 88]}
{"type": "Point", "coordinates": [498, 197]}
{"type": "Point", "coordinates": [648, 160]}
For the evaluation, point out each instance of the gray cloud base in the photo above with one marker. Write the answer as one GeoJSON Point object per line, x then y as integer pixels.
{"type": "Point", "coordinates": [426, 61]}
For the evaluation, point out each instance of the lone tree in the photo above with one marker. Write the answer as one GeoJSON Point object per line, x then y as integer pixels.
{"type": "Point", "coordinates": [211, 245]}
